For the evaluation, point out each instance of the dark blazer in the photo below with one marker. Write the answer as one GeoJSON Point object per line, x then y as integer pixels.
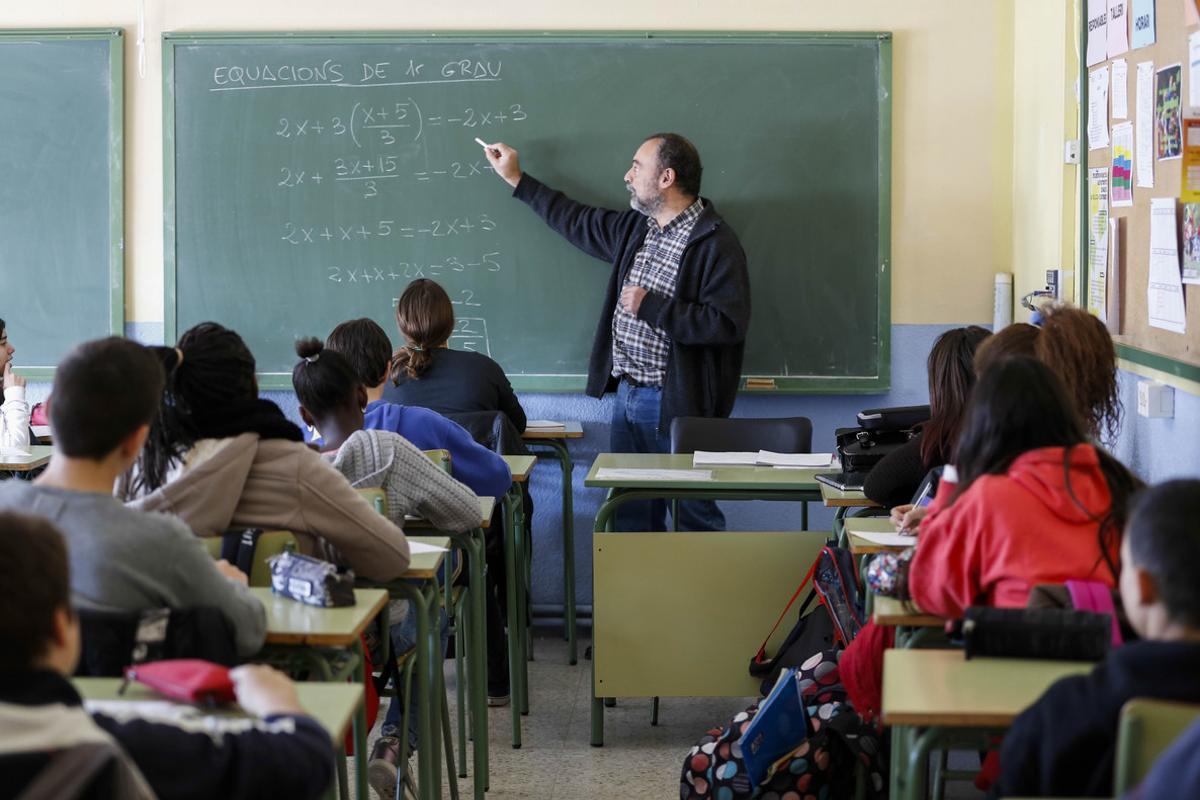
{"type": "Point", "coordinates": [706, 320]}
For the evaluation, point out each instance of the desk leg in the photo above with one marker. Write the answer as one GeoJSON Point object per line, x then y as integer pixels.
{"type": "Point", "coordinates": [473, 545]}
{"type": "Point", "coordinates": [516, 655]}
{"type": "Point", "coordinates": [428, 667]}
{"type": "Point", "coordinates": [360, 725]}
{"type": "Point", "coordinates": [558, 450]}
{"type": "Point", "coordinates": [839, 526]}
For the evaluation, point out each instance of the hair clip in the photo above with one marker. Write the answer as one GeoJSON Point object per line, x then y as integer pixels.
{"type": "Point", "coordinates": [415, 348]}
{"type": "Point", "coordinates": [313, 358]}
{"type": "Point", "coordinates": [178, 358]}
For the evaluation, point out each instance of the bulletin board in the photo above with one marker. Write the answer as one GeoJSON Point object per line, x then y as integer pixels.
{"type": "Point", "coordinates": [1128, 307]}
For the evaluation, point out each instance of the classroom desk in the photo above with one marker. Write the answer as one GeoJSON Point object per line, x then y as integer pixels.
{"type": "Point", "coordinates": [472, 544]}
{"type": "Point", "coordinates": [727, 483]}
{"type": "Point", "coordinates": [333, 705]}
{"type": "Point", "coordinates": [934, 698]}
{"type": "Point", "coordinates": [912, 625]}
{"type": "Point", "coordinates": [552, 443]}
{"type": "Point", "coordinates": [859, 546]}
{"type": "Point", "coordinates": [518, 555]}
{"type": "Point", "coordinates": [321, 638]}
{"type": "Point", "coordinates": [842, 502]}
{"type": "Point", "coordinates": [42, 434]}
{"type": "Point", "coordinates": [39, 456]}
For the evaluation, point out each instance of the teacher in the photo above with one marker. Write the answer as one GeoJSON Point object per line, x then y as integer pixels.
{"type": "Point", "coordinates": [673, 325]}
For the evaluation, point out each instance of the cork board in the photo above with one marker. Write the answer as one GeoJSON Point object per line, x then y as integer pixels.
{"type": "Point", "coordinates": [1137, 340]}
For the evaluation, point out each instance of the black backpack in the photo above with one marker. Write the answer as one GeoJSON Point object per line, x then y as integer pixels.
{"type": "Point", "coordinates": [879, 432]}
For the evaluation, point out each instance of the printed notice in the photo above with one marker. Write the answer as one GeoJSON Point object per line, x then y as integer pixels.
{"type": "Point", "coordinates": [1118, 27]}
{"type": "Point", "coordinates": [1120, 89]}
{"type": "Point", "coordinates": [1097, 241]}
{"type": "Point", "coordinates": [1189, 191]}
{"type": "Point", "coordinates": [1122, 165]}
{"type": "Point", "coordinates": [1098, 108]}
{"type": "Point", "coordinates": [1097, 25]}
{"type": "Point", "coordinates": [1164, 290]}
{"type": "Point", "coordinates": [1145, 125]}
{"type": "Point", "coordinates": [1142, 24]}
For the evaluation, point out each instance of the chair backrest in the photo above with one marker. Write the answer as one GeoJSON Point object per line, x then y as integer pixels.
{"type": "Point", "coordinates": [270, 543]}
{"type": "Point", "coordinates": [376, 497]}
{"type": "Point", "coordinates": [112, 640]}
{"type": "Point", "coordinates": [441, 458]}
{"type": "Point", "coordinates": [494, 430]}
{"type": "Point", "coordinates": [720, 434]}
{"type": "Point", "coordinates": [1146, 729]}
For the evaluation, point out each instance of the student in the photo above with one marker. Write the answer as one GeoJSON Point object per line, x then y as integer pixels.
{"type": "Point", "coordinates": [1034, 501]}
{"type": "Point", "coordinates": [106, 392]}
{"type": "Point", "coordinates": [1065, 744]}
{"type": "Point", "coordinates": [331, 400]}
{"type": "Point", "coordinates": [426, 372]}
{"type": "Point", "coordinates": [118, 751]}
{"type": "Point", "coordinates": [368, 350]}
{"type": "Point", "coordinates": [894, 480]}
{"type": "Point", "coordinates": [221, 458]}
{"type": "Point", "coordinates": [14, 413]}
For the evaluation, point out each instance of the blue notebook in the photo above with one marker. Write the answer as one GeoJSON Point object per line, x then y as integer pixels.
{"type": "Point", "coordinates": [780, 726]}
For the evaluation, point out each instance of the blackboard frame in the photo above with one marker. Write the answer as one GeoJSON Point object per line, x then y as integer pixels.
{"type": "Point", "coordinates": [116, 168]}
{"type": "Point", "coordinates": [878, 383]}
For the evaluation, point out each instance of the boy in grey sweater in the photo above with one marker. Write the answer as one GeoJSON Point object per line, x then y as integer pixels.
{"type": "Point", "coordinates": [105, 394]}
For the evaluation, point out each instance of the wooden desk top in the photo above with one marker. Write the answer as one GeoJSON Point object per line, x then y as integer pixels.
{"type": "Point", "coordinates": [520, 467]}
{"type": "Point", "coordinates": [890, 611]}
{"type": "Point", "coordinates": [940, 687]}
{"type": "Point", "coordinates": [425, 565]}
{"type": "Point", "coordinates": [569, 430]}
{"type": "Point", "coordinates": [486, 505]}
{"type": "Point", "coordinates": [292, 622]}
{"type": "Point", "coordinates": [39, 456]}
{"type": "Point", "coordinates": [835, 498]}
{"type": "Point", "coordinates": [735, 478]}
{"type": "Point", "coordinates": [331, 704]}
{"type": "Point", "coordinates": [860, 546]}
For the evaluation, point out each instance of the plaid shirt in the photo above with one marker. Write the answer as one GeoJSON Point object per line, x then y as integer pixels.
{"type": "Point", "coordinates": [640, 349]}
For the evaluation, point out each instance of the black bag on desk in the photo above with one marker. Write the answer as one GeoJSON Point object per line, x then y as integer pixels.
{"type": "Point", "coordinates": [311, 581]}
{"type": "Point", "coordinates": [880, 431]}
{"type": "Point", "coordinates": [1057, 634]}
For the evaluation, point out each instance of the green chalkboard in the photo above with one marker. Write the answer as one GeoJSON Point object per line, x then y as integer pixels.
{"type": "Point", "coordinates": [61, 213]}
{"type": "Point", "coordinates": [309, 178]}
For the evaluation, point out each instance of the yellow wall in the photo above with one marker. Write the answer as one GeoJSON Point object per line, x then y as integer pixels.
{"type": "Point", "coordinates": [953, 105]}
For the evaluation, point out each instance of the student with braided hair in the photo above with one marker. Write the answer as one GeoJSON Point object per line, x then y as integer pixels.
{"type": "Point", "coordinates": [221, 458]}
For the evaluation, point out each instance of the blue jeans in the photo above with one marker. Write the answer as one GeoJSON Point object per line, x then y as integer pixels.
{"type": "Point", "coordinates": [635, 430]}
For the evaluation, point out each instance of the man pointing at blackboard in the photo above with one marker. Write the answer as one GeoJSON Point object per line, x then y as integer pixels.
{"type": "Point", "coordinates": [673, 326]}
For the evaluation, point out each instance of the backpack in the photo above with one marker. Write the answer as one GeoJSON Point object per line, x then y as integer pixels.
{"type": "Point", "coordinates": [835, 585]}
{"type": "Point", "coordinates": [880, 431]}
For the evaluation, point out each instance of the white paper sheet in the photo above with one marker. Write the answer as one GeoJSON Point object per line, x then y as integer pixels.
{"type": "Point", "coordinates": [1165, 287]}
{"type": "Point", "coordinates": [1118, 27]}
{"type": "Point", "coordinates": [1141, 24]}
{"type": "Point", "coordinates": [544, 425]}
{"type": "Point", "coordinates": [708, 458]}
{"type": "Point", "coordinates": [1120, 89]}
{"type": "Point", "coordinates": [40, 430]}
{"type": "Point", "coordinates": [423, 547]}
{"type": "Point", "coordinates": [768, 458]}
{"type": "Point", "coordinates": [1097, 241]}
{"type": "Point", "coordinates": [1144, 153]}
{"type": "Point", "coordinates": [15, 453]}
{"type": "Point", "coordinates": [887, 539]}
{"type": "Point", "coordinates": [1194, 70]}
{"type": "Point", "coordinates": [1097, 25]}
{"type": "Point", "coordinates": [1098, 108]}
{"type": "Point", "coordinates": [623, 474]}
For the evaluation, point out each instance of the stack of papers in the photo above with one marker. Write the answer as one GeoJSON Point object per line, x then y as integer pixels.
{"type": "Point", "coordinates": [761, 458]}
{"type": "Point", "coordinates": [544, 425]}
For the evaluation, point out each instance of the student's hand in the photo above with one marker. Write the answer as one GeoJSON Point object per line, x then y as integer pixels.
{"type": "Point", "coordinates": [263, 691]}
{"type": "Point", "coordinates": [504, 160]}
{"type": "Point", "coordinates": [631, 298]}
{"type": "Point", "coordinates": [233, 573]}
{"type": "Point", "coordinates": [11, 379]}
{"type": "Point", "coordinates": [908, 517]}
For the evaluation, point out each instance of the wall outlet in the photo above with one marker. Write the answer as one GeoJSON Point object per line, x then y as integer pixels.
{"type": "Point", "coordinates": [1155, 400]}
{"type": "Point", "coordinates": [1071, 151]}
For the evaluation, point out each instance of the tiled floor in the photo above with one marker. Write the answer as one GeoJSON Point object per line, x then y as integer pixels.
{"type": "Point", "coordinates": [556, 761]}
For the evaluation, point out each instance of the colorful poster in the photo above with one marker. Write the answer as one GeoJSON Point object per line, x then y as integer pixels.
{"type": "Point", "coordinates": [1145, 125]}
{"type": "Point", "coordinates": [1164, 289]}
{"type": "Point", "coordinates": [1120, 89]}
{"type": "Point", "coordinates": [1098, 108]}
{"type": "Point", "coordinates": [1142, 24]}
{"type": "Point", "coordinates": [1168, 113]}
{"type": "Point", "coordinates": [1122, 165]}
{"type": "Point", "coordinates": [1191, 243]}
{"type": "Point", "coordinates": [1098, 241]}
{"type": "Point", "coordinates": [1097, 24]}
{"type": "Point", "coordinates": [1189, 184]}
{"type": "Point", "coordinates": [1118, 27]}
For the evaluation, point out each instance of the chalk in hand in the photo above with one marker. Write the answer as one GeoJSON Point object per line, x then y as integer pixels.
{"type": "Point", "coordinates": [480, 142]}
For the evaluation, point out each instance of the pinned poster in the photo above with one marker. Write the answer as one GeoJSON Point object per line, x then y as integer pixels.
{"type": "Point", "coordinates": [1120, 89]}
{"type": "Point", "coordinates": [1097, 23]}
{"type": "Point", "coordinates": [1097, 241]}
{"type": "Point", "coordinates": [1168, 113]}
{"type": "Point", "coordinates": [1122, 165]}
{"type": "Point", "coordinates": [1098, 108]}
{"type": "Point", "coordinates": [1191, 243]}
{"type": "Point", "coordinates": [1145, 125]}
{"type": "Point", "coordinates": [1142, 24]}
{"type": "Point", "coordinates": [1189, 191]}
{"type": "Point", "coordinates": [1164, 288]}
{"type": "Point", "coordinates": [1118, 27]}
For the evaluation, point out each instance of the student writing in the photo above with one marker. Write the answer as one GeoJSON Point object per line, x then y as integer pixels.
{"type": "Point", "coordinates": [14, 413]}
